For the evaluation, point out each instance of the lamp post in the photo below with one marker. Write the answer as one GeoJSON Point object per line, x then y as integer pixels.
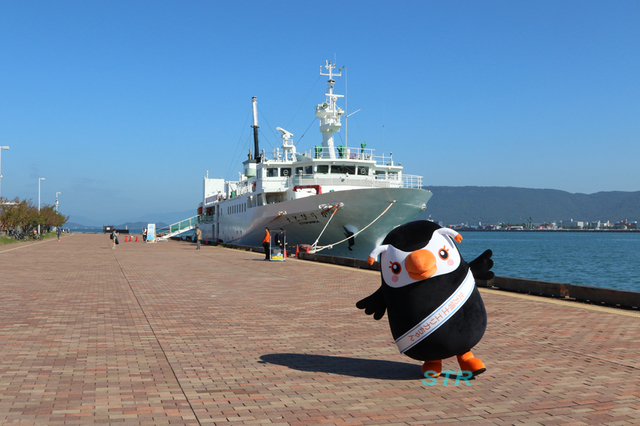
{"type": "Point", "coordinates": [57, 208]}
{"type": "Point", "coordinates": [39, 180]}
{"type": "Point", "coordinates": [1, 148]}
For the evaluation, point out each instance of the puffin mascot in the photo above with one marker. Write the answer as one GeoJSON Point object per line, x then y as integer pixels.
{"type": "Point", "coordinates": [434, 307]}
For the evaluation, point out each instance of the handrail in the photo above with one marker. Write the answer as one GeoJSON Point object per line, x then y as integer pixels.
{"type": "Point", "coordinates": [183, 225]}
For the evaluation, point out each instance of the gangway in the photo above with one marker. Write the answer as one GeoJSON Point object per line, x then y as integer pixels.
{"type": "Point", "coordinates": [178, 228]}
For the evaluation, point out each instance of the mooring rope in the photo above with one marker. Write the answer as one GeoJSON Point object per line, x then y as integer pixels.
{"type": "Point", "coordinates": [352, 236]}
{"type": "Point", "coordinates": [337, 206]}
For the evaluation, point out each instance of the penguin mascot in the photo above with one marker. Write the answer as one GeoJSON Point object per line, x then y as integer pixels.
{"type": "Point", "coordinates": [434, 307]}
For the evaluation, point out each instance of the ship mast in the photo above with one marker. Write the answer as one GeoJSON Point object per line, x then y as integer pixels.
{"type": "Point", "coordinates": [329, 113]}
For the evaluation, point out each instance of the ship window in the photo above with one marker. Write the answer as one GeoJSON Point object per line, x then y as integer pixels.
{"type": "Point", "coordinates": [363, 171]}
{"type": "Point", "coordinates": [393, 175]}
{"type": "Point", "coordinates": [308, 170]}
{"type": "Point", "coordinates": [342, 169]}
{"type": "Point", "coordinates": [272, 172]}
{"type": "Point", "coordinates": [323, 168]}
{"type": "Point", "coordinates": [380, 174]}
{"type": "Point", "coordinates": [299, 170]}
{"type": "Point", "coordinates": [285, 171]}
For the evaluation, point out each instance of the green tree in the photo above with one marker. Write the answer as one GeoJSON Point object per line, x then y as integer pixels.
{"type": "Point", "coordinates": [24, 215]}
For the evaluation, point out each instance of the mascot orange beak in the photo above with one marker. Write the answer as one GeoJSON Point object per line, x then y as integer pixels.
{"type": "Point", "coordinates": [421, 264]}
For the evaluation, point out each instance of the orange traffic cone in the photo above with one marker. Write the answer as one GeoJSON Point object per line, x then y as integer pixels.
{"type": "Point", "coordinates": [136, 238]}
{"type": "Point", "coordinates": [207, 240]}
{"type": "Point", "coordinates": [297, 250]}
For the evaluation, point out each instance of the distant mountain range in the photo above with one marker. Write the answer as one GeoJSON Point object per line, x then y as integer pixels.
{"type": "Point", "coordinates": [127, 225]}
{"type": "Point", "coordinates": [76, 221]}
{"type": "Point", "coordinates": [475, 204]}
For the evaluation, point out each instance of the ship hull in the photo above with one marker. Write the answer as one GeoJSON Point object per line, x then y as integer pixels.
{"type": "Point", "coordinates": [326, 220]}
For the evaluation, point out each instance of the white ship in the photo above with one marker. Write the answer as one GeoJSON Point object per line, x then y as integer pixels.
{"type": "Point", "coordinates": [335, 200]}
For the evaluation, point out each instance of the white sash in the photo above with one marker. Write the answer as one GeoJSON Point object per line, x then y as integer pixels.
{"type": "Point", "coordinates": [437, 317]}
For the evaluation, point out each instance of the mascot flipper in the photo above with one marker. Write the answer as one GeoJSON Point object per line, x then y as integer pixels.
{"type": "Point", "coordinates": [434, 307]}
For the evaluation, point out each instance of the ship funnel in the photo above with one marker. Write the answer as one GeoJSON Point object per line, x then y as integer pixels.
{"type": "Point", "coordinates": [254, 104]}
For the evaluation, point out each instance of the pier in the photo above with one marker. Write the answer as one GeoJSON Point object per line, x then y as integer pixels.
{"type": "Point", "coordinates": [163, 334]}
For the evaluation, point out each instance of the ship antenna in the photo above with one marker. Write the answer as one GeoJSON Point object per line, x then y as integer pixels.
{"type": "Point", "coordinates": [328, 112]}
{"type": "Point", "coordinates": [254, 103]}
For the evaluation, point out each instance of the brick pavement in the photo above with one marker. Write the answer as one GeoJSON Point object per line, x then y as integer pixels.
{"type": "Point", "coordinates": [161, 334]}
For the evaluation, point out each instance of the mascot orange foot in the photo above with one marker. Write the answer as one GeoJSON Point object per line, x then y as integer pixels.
{"type": "Point", "coordinates": [467, 363]}
{"type": "Point", "coordinates": [470, 363]}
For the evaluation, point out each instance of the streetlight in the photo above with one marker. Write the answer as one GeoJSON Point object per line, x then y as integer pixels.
{"type": "Point", "coordinates": [39, 180]}
{"type": "Point", "coordinates": [57, 208]}
{"type": "Point", "coordinates": [1, 148]}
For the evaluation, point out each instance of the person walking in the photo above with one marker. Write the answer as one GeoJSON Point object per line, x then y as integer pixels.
{"type": "Point", "coordinates": [58, 231]}
{"type": "Point", "coordinates": [114, 237]}
{"type": "Point", "coordinates": [198, 237]}
{"type": "Point", "coordinates": [266, 242]}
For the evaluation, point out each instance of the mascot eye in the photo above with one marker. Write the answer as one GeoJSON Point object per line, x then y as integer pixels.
{"type": "Point", "coordinates": [395, 268]}
{"type": "Point", "coordinates": [443, 253]}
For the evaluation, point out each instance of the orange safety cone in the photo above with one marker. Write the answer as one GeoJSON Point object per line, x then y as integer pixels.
{"type": "Point", "coordinates": [297, 250]}
{"type": "Point", "coordinates": [307, 248]}
{"type": "Point", "coordinates": [207, 240]}
{"type": "Point", "coordinates": [284, 251]}
{"type": "Point", "coordinates": [136, 238]}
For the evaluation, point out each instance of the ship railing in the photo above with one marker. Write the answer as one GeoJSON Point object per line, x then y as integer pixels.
{"type": "Point", "coordinates": [337, 180]}
{"type": "Point", "coordinates": [345, 180]}
{"type": "Point", "coordinates": [411, 181]}
{"type": "Point", "coordinates": [342, 152]}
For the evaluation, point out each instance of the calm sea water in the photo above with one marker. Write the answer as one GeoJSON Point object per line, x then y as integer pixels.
{"type": "Point", "coordinates": [597, 259]}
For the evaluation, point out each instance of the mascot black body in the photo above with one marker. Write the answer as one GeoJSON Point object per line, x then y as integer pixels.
{"type": "Point", "coordinates": [434, 307]}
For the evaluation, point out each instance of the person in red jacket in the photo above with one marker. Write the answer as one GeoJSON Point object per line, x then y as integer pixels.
{"type": "Point", "coordinates": [266, 242]}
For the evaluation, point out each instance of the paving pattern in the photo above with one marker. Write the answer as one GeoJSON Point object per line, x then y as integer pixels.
{"type": "Point", "coordinates": [163, 334]}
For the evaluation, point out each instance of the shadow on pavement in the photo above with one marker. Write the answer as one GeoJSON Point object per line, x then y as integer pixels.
{"type": "Point", "coordinates": [356, 367]}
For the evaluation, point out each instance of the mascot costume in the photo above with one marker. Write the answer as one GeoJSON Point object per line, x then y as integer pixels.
{"type": "Point", "coordinates": [434, 307]}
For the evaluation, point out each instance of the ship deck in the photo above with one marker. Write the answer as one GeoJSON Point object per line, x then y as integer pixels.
{"type": "Point", "coordinates": [159, 334]}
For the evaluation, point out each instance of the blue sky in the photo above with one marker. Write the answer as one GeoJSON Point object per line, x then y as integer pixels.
{"type": "Point", "coordinates": [123, 106]}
